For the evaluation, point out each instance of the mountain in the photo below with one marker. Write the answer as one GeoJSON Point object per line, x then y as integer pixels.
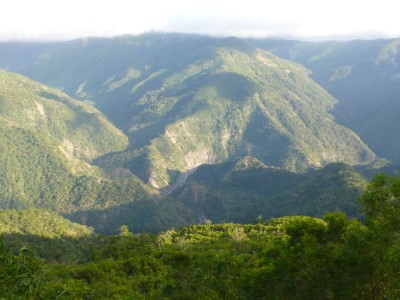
{"type": "Point", "coordinates": [230, 132]}
{"type": "Point", "coordinates": [82, 131]}
{"type": "Point", "coordinates": [188, 100]}
{"type": "Point", "coordinates": [242, 190]}
{"type": "Point", "coordinates": [237, 191]}
{"type": "Point", "coordinates": [363, 76]}
{"type": "Point", "coordinates": [47, 142]}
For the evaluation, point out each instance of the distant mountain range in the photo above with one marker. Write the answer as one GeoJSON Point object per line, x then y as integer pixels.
{"type": "Point", "coordinates": [172, 129]}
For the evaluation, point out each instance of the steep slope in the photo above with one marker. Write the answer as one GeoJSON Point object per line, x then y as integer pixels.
{"type": "Point", "coordinates": [33, 171]}
{"type": "Point", "coordinates": [235, 100]}
{"type": "Point", "coordinates": [363, 76]}
{"type": "Point", "coordinates": [241, 191]}
{"type": "Point", "coordinates": [188, 100]}
{"type": "Point", "coordinates": [46, 143]}
{"type": "Point", "coordinates": [82, 131]}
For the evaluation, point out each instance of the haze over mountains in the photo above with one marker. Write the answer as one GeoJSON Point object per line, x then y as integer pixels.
{"type": "Point", "coordinates": [363, 76]}
{"type": "Point", "coordinates": [155, 107]}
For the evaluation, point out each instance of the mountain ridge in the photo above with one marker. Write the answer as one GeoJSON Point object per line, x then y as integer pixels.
{"type": "Point", "coordinates": [219, 100]}
{"type": "Point", "coordinates": [363, 76]}
{"type": "Point", "coordinates": [185, 102]}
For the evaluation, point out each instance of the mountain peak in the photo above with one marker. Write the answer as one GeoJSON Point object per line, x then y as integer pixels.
{"type": "Point", "coordinates": [236, 43]}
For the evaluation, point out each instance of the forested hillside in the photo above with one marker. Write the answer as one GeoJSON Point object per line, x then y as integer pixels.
{"type": "Point", "coordinates": [81, 131]}
{"type": "Point", "coordinates": [239, 191]}
{"type": "Point", "coordinates": [245, 190]}
{"type": "Point", "coordinates": [176, 166]}
{"type": "Point", "coordinates": [47, 143]}
{"type": "Point", "coordinates": [49, 139]}
{"type": "Point", "coordinates": [183, 101]}
{"type": "Point", "coordinates": [187, 100]}
{"type": "Point", "coordinates": [363, 76]}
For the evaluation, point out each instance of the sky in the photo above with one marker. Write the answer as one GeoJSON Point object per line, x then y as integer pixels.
{"type": "Point", "coordinates": [44, 20]}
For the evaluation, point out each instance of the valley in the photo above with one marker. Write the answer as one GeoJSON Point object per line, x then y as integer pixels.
{"type": "Point", "coordinates": [170, 104]}
{"type": "Point", "coordinates": [161, 164]}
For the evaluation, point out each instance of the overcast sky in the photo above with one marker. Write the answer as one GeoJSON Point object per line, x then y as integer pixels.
{"type": "Point", "coordinates": [302, 19]}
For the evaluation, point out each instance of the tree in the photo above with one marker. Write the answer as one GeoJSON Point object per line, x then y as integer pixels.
{"type": "Point", "coordinates": [381, 204]}
{"type": "Point", "coordinates": [124, 231]}
{"type": "Point", "coordinates": [21, 276]}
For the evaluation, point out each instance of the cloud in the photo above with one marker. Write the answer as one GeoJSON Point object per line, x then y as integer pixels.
{"type": "Point", "coordinates": [308, 19]}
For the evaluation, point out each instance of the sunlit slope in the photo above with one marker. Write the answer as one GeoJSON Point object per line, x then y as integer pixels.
{"type": "Point", "coordinates": [82, 131]}
{"type": "Point", "coordinates": [47, 141]}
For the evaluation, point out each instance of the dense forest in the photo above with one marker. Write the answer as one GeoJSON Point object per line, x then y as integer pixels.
{"type": "Point", "coordinates": [294, 257]}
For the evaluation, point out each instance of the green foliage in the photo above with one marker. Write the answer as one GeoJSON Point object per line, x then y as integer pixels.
{"type": "Point", "coordinates": [142, 215]}
{"type": "Point", "coordinates": [40, 223]}
{"type": "Point", "coordinates": [45, 137]}
{"type": "Point", "coordinates": [381, 201]}
{"type": "Point", "coordinates": [294, 257]}
{"type": "Point", "coordinates": [80, 130]}
{"type": "Point", "coordinates": [35, 174]}
{"type": "Point", "coordinates": [21, 276]}
{"type": "Point", "coordinates": [242, 190]}
{"type": "Point", "coordinates": [363, 76]}
{"type": "Point", "coordinates": [32, 173]}
{"type": "Point", "coordinates": [187, 100]}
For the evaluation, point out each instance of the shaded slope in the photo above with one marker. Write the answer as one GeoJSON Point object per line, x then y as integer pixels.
{"type": "Point", "coordinates": [363, 76]}
{"type": "Point", "coordinates": [243, 190]}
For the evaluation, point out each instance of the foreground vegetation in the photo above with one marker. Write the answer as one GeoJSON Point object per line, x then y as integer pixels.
{"type": "Point", "coordinates": [286, 258]}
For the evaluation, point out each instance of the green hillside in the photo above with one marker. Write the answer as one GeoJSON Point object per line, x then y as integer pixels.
{"type": "Point", "coordinates": [81, 131]}
{"type": "Point", "coordinates": [40, 223]}
{"type": "Point", "coordinates": [38, 172]}
{"type": "Point", "coordinates": [243, 190]}
{"type": "Point", "coordinates": [240, 101]}
{"type": "Point", "coordinates": [47, 141]}
{"type": "Point", "coordinates": [33, 172]}
{"type": "Point", "coordinates": [239, 191]}
{"type": "Point", "coordinates": [363, 76]}
{"type": "Point", "coordinates": [44, 234]}
{"type": "Point", "coordinates": [194, 167]}
{"type": "Point", "coordinates": [188, 100]}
